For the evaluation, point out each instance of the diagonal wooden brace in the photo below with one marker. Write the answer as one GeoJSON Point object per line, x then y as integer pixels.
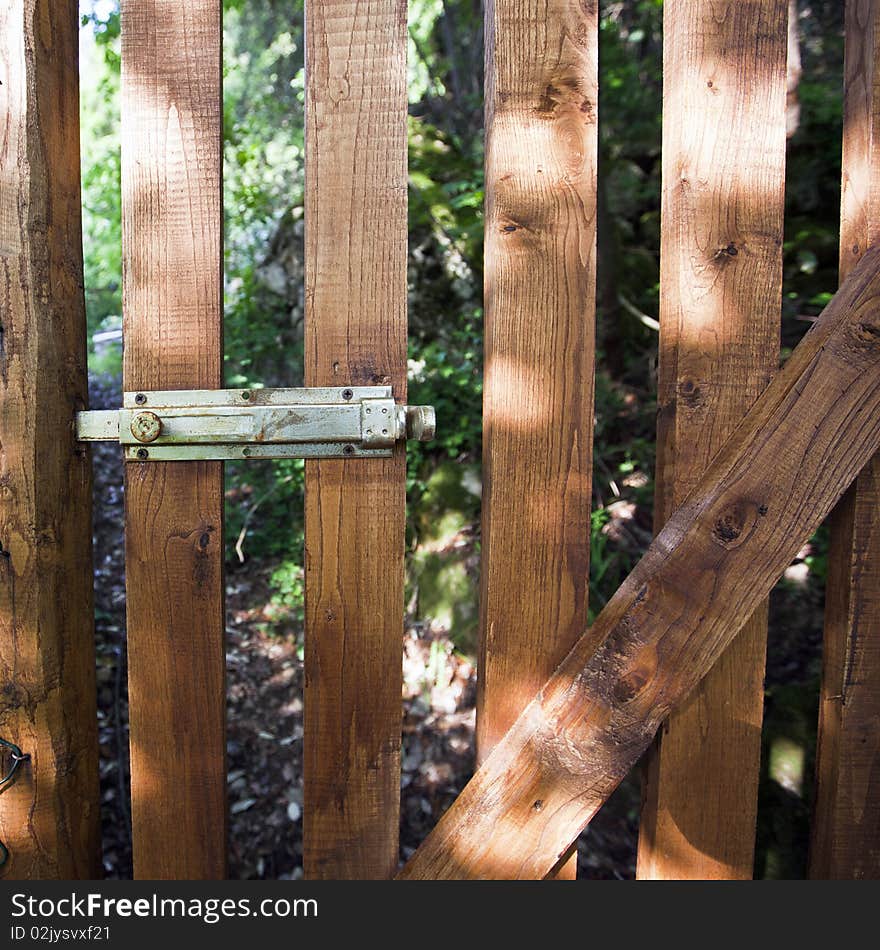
{"type": "Point", "coordinates": [771, 485]}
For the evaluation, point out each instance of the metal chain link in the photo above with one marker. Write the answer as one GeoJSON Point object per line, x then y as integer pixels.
{"type": "Point", "coordinates": [17, 757]}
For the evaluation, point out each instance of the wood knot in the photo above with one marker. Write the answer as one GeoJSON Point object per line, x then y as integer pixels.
{"type": "Point", "coordinates": [564, 94]}
{"type": "Point", "coordinates": [205, 537]}
{"type": "Point", "coordinates": [724, 254]}
{"type": "Point", "coordinates": [582, 36]}
{"type": "Point", "coordinates": [690, 393]}
{"type": "Point", "coordinates": [735, 524]}
{"type": "Point", "coordinates": [338, 89]}
{"type": "Point", "coordinates": [546, 106]}
{"type": "Point", "coordinates": [868, 332]}
{"type": "Point", "coordinates": [636, 679]}
{"type": "Point", "coordinates": [629, 686]}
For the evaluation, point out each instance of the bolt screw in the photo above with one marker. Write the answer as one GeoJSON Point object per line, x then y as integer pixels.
{"type": "Point", "coordinates": [146, 427]}
{"type": "Point", "coordinates": [246, 395]}
{"type": "Point", "coordinates": [348, 450]}
{"type": "Point", "coordinates": [347, 394]}
{"type": "Point", "coordinates": [140, 399]}
{"type": "Point", "coordinates": [143, 454]}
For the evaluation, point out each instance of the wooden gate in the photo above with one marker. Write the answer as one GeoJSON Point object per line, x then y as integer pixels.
{"type": "Point", "coordinates": [562, 714]}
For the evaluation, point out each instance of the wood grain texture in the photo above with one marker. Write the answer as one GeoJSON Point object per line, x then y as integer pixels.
{"type": "Point", "coordinates": [172, 285]}
{"type": "Point", "coordinates": [540, 290]}
{"type": "Point", "coordinates": [845, 834]}
{"type": "Point", "coordinates": [716, 559]}
{"type": "Point", "coordinates": [49, 819]}
{"type": "Point", "coordinates": [724, 130]}
{"type": "Point", "coordinates": [356, 246]}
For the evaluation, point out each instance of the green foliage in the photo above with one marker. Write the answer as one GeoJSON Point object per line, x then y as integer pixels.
{"type": "Point", "coordinates": [817, 553]}
{"type": "Point", "coordinates": [264, 510]}
{"type": "Point", "coordinates": [785, 797]}
{"type": "Point", "coordinates": [101, 170]}
{"type": "Point", "coordinates": [630, 49]}
{"type": "Point", "coordinates": [812, 199]}
{"type": "Point", "coordinates": [288, 590]}
{"type": "Point", "coordinates": [445, 294]}
{"type": "Point", "coordinates": [263, 181]}
{"type": "Point", "coordinates": [422, 82]}
{"type": "Point", "coordinates": [441, 586]}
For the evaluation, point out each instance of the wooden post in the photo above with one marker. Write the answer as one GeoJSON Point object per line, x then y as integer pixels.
{"type": "Point", "coordinates": [774, 480]}
{"type": "Point", "coordinates": [356, 246]}
{"type": "Point", "coordinates": [49, 819]}
{"type": "Point", "coordinates": [846, 827]}
{"type": "Point", "coordinates": [172, 283]}
{"type": "Point", "coordinates": [541, 153]}
{"type": "Point", "coordinates": [720, 308]}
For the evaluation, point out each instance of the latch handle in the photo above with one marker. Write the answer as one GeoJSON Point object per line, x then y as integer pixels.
{"type": "Point", "coordinates": [421, 423]}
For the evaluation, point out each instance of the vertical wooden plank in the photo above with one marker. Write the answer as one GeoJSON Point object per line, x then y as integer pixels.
{"type": "Point", "coordinates": [845, 841]}
{"type": "Point", "coordinates": [356, 245]}
{"type": "Point", "coordinates": [540, 288]}
{"type": "Point", "coordinates": [49, 819]}
{"type": "Point", "coordinates": [172, 284]}
{"type": "Point", "coordinates": [721, 289]}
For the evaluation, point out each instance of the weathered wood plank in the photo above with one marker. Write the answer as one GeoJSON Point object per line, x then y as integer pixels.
{"type": "Point", "coordinates": [541, 154]}
{"type": "Point", "coordinates": [356, 244]}
{"type": "Point", "coordinates": [720, 307]}
{"type": "Point", "coordinates": [772, 483]}
{"type": "Point", "coordinates": [845, 840]}
{"type": "Point", "coordinates": [172, 285]}
{"type": "Point", "coordinates": [49, 820]}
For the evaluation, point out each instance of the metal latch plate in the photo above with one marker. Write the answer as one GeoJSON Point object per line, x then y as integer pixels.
{"type": "Point", "coordinates": [315, 422]}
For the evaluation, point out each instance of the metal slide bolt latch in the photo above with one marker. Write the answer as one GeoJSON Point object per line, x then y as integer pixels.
{"type": "Point", "coordinates": [316, 422]}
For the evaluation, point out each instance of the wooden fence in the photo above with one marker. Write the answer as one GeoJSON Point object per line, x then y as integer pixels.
{"type": "Point", "coordinates": [750, 460]}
